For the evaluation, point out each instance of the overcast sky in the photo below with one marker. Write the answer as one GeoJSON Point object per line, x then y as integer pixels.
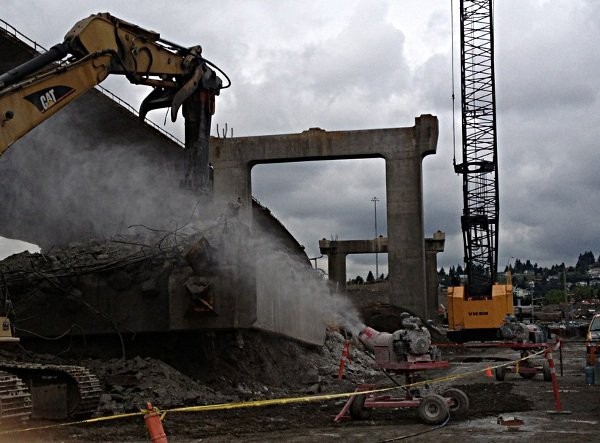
{"type": "Point", "coordinates": [352, 64]}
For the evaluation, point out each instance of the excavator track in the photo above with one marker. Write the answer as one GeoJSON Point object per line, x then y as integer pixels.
{"type": "Point", "coordinates": [15, 399]}
{"type": "Point", "coordinates": [56, 391]}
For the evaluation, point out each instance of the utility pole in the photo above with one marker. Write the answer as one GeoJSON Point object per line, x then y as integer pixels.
{"type": "Point", "coordinates": [565, 282]}
{"type": "Point", "coordinates": [375, 200]}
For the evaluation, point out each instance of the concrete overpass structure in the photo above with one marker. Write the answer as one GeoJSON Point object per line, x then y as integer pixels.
{"type": "Point", "coordinates": [337, 250]}
{"type": "Point", "coordinates": [403, 150]}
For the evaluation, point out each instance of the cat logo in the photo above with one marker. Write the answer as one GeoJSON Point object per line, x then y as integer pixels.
{"type": "Point", "coordinates": [45, 99]}
{"type": "Point", "coordinates": [48, 99]}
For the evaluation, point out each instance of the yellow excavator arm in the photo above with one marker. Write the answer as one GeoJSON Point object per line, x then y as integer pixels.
{"type": "Point", "coordinates": [94, 48]}
{"type": "Point", "coordinates": [27, 104]}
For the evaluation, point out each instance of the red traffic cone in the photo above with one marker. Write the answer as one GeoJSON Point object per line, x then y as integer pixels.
{"type": "Point", "coordinates": [488, 372]}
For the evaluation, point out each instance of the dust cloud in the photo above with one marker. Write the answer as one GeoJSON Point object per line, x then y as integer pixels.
{"type": "Point", "coordinates": [91, 171]}
{"type": "Point", "coordinates": [283, 274]}
{"type": "Point", "coordinates": [70, 180]}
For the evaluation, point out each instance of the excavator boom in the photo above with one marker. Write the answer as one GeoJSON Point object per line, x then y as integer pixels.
{"type": "Point", "coordinates": [27, 104]}
{"type": "Point", "coordinates": [94, 48]}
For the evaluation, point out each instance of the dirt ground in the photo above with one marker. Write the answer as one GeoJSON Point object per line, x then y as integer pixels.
{"type": "Point", "coordinates": [300, 371]}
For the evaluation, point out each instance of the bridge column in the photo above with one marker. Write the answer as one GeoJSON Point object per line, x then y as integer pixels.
{"type": "Point", "coordinates": [433, 246]}
{"type": "Point", "coordinates": [404, 192]}
{"type": "Point", "coordinates": [336, 268]}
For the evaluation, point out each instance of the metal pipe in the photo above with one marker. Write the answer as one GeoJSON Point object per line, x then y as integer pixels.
{"type": "Point", "coordinates": [55, 53]}
{"type": "Point", "coordinates": [371, 338]}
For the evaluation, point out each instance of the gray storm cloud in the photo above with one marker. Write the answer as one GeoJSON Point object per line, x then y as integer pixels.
{"type": "Point", "coordinates": [352, 65]}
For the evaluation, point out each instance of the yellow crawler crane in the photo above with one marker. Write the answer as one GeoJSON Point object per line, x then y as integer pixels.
{"type": "Point", "coordinates": [478, 310]}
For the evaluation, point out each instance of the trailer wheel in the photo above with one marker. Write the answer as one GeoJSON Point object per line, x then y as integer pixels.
{"type": "Point", "coordinates": [460, 402]}
{"type": "Point", "coordinates": [500, 373]}
{"type": "Point", "coordinates": [547, 371]}
{"type": "Point", "coordinates": [358, 410]}
{"type": "Point", "coordinates": [433, 409]}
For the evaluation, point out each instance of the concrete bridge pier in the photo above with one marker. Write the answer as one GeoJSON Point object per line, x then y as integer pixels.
{"type": "Point", "coordinates": [403, 150]}
{"type": "Point", "coordinates": [433, 246]}
{"type": "Point", "coordinates": [336, 267]}
{"type": "Point", "coordinates": [404, 194]}
{"type": "Point", "coordinates": [338, 250]}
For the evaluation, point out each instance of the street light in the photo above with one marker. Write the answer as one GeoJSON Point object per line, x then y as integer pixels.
{"type": "Point", "coordinates": [375, 200]}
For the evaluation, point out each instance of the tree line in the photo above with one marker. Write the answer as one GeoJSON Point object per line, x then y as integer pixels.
{"type": "Point", "coordinates": [549, 283]}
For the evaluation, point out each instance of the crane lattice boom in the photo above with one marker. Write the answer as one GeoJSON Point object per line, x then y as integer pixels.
{"type": "Point", "coordinates": [479, 167]}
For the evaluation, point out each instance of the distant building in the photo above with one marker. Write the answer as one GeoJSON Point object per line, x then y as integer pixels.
{"type": "Point", "coordinates": [594, 273]}
{"type": "Point", "coordinates": [521, 293]}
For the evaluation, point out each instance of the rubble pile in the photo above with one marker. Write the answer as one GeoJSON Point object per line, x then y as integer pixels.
{"type": "Point", "coordinates": [224, 367]}
{"type": "Point", "coordinates": [283, 368]}
{"type": "Point", "coordinates": [60, 289]}
{"type": "Point", "coordinates": [130, 383]}
{"type": "Point", "coordinates": [118, 285]}
{"type": "Point", "coordinates": [62, 271]}
{"type": "Point", "coordinates": [254, 365]}
{"type": "Point", "coordinates": [360, 365]}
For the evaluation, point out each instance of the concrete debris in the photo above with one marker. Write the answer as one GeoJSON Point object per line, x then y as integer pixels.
{"type": "Point", "coordinates": [134, 283]}
{"type": "Point", "coordinates": [247, 366]}
{"type": "Point", "coordinates": [129, 384]}
{"type": "Point", "coordinates": [223, 367]}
